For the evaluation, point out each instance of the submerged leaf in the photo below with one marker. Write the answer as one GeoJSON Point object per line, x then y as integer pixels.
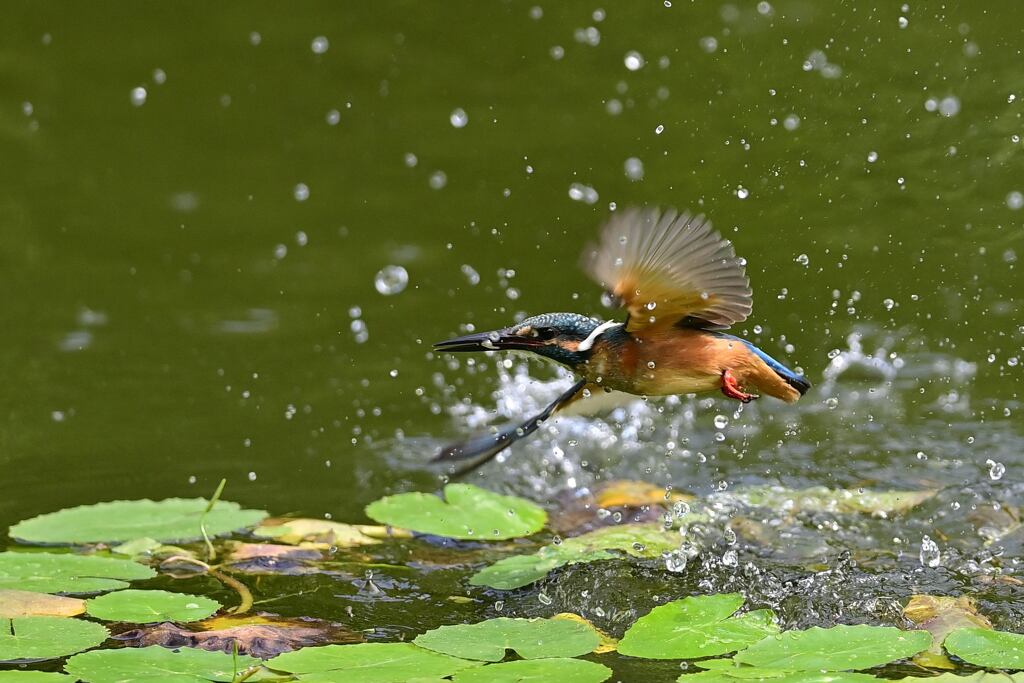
{"type": "Point", "coordinates": [324, 533]}
{"type": "Point", "coordinates": [467, 512]}
{"type": "Point", "coordinates": [55, 573]}
{"type": "Point", "coordinates": [838, 648]}
{"type": "Point", "coordinates": [147, 607]}
{"type": "Point", "coordinates": [260, 635]}
{"type": "Point", "coordinates": [368, 663]}
{"type": "Point", "coordinates": [822, 499]}
{"type": "Point", "coordinates": [156, 664]}
{"type": "Point", "coordinates": [47, 637]}
{"type": "Point", "coordinates": [639, 540]}
{"type": "Point", "coordinates": [170, 520]}
{"type": "Point", "coordinates": [940, 616]}
{"type": "Point", "coordinates": [982, 647]}
{"type": "Point", "coordinates": [699, 626]}
{"type": "Point", "coordinates": [15, 603]}
{"type": "Point", "coordinates": [537, 671]}
{"type": "Point", "coordinates": [530, 638]}
{"type": "Point", "coordinates": [250, 551]}
{"type": "Point", "coordinates": [630, 493]}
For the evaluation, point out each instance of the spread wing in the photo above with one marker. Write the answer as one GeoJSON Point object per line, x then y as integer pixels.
{"type": "Point", "coordinates": [668, 268]}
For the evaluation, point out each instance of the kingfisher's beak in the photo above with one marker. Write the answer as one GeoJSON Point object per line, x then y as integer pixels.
{"type": "Point", "coordinates": [498, 340]}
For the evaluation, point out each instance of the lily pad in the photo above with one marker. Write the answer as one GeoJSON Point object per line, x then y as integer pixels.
{"type": "Point", "coordinates": [979, 677]}
{"type": "Point", "coordinates": [326, 533]}
{"type": "Point", "coordinates": [530, 638]}
{"type": "Point", "coordinates": [32, 677]}
{"type": "Point", "coordinates": [467, 512]}
{"type": "Point", "coordinates": [54, 573]}
{"type": "Point", "coordinates": [701, 626]}
{"type": "Point", "coordinates": [170, 520]}
{"type": "Point", "coordinates": [638, 540]}
{"type": "Point", "coordinates": [940, 616]}
{"type": "Point", "coordinates": [835, 649]}
{"type": "Point", "coordinates": [631, 493]}
{"type": "Point", "coordinates": [823, 499]}
{"type": "Point", "coordinates": [748, 673]}
{"type": "Point", "coordinates": [128, 665]}
{"type": "Point", "coordinates": [15, 603]}
{"type": "Point", "coordinates": [47, 637]}
{"type": "Point", "coordinates": [537, 671]}
{"type": "Point", "coordinates": [147, 607]}
{"type": "Point", "coordinates": [605, 642]}
{"type": "Point", "coordinates": [368, 663]}
{"type": "Point", "coordinates": [992, 649]}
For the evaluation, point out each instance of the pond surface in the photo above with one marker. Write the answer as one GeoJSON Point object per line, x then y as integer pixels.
{"type": "Point", "coordinates": [197, 201]}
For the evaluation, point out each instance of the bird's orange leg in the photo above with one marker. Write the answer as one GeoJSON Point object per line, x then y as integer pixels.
{"type": "Point", "coordinates": [731, 388]}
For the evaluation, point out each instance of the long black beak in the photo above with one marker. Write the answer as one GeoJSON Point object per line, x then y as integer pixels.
{"type": "Point", "coordinates": [498, 340]}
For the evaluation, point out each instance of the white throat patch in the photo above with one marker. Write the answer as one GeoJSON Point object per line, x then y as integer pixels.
{"type": "Point", "coordinates": [598, 331]}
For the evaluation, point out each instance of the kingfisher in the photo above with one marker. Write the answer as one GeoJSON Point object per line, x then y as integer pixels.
{"type": "Point", "coordinates": [681, 285]}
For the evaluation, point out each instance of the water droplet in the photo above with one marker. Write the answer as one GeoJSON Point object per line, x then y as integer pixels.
{"type": "Point", "coordinates": [139, 96]}
{"type": "Point", "coordinates": [659, 129]}
{"type": "Point", "coordinates": [791, 122]}
{"type": "Point", "coordinates": [675, 561]}
{"type": "Point", "coordinates": [438, 179]}
{"type": "Point", "coordinates": [903, 22]}
{"type": "Point", "coordinates": [832, 403]}
{"type": "Point", "coordinates": [889, 304]}
{"type": "Point", "coordinates": [949, 106]}
{"type": "Point", "coordinates": [459, 118]}
{"type": "Point", "coordinates": [872, 157]}
{"type": "Point", "coordinates": [651, 364]}
{"type": "Point", "coordinates": [730, 559]}
{"type": "Point", "coordinates": [634, 169]}
{"type": "Point", "coordinates": [1015, 200]}
{"type": "Point", "coordinates": [996, 470]}
{"type": "Point", "coordinates": [579, 192]}
{"type": "Point", "coordinates": [764, 8]}
{"type": "Point", "coordinates": [721, 422]}
{"type": "Point", "coordinates": [633, 60]}
{"type": "Point", "coordinates": [333, 117]}
{"type": "Point", "coordinates": [301, 192]}
{"type": "Point", "coordinates": [930, 555]}
{"type": "Point", "coordinates": [742, 193]}
{"type": "Point", "coordinates": [803, 259]}
{"type": "Point", "coordinates": [320, 45]}
{"type": "Point", "coordinates": [543, 598]}
{"type": "Point", "coordinates": [709, 44]}
{"type": "Point", "coordinates": [391, 280]}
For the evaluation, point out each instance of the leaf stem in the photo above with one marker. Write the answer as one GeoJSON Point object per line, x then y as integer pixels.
{"type": "Point", "coordinates": [211, 552]}
{"type": "Point", "coordinates": [245, 599]}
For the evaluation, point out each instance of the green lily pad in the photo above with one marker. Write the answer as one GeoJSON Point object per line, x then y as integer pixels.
{"type": "Point", "coordinates": [978, 677]}
{"type": "Point", "coordinates": [55, 573]}
{"type": "Point", "coordinates": [981, 647]}
{"type": "Point", "coordinates": [835, 649]}
{"type": "Point", "coordinates": [170, 520]}
{"type": "Point", "coordinates": [47, 637]}
{"type": "Point", "coordinates": [749, 673]}
{"type": "Point", "coordinates": [368, 663]}
{"type": "Point", "coordinates": [823, 499]}
{"type": "Point", "coordinates": [639, 540]}
{"type": "Point", "coordinates": [467, 512]}
{"type": "Point", "coordinates": [701, 626]}
{"type": "Point", "coordinates": [156, 663]}
{"type": "Point", "coordinates": [32, 677]}
{"type": "Point", "coordinates": [537, 671]}
{"type": "Point", "coordinates": [147, 607]}
{"type": "Point", "coordinates": [530, 638]}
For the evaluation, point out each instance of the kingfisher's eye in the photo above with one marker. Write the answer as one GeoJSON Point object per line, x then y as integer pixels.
{"type": "Point", "coordinates": [544, 333]}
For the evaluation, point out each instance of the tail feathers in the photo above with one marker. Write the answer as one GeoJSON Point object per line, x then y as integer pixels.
{"type": "Point", "coordinates": [465, 456]}
{"type": "Point", "coordinates": [798, 382]}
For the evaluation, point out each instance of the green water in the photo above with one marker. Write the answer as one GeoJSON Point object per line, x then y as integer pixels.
{"type": "Point", "coordinates": [177, 311]}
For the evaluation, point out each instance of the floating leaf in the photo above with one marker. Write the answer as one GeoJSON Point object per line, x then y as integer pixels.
{"type": "Point", "coordinates": [992, 649]}
{"type": "Point", "coordinates": [700, 626]}
{"type": "Point", "coordinates": [170, 520]}
{"type": "Point", "coordinates": [47, 637]}
{"type": "Point", "coordinates": [468, 512]}
{"type": "Point", "coordinates": [325, 533]}
{"type": "Point", "coordinates": [978, 677]}
{"type": "Point", "coordinates": [835, 649]}
{"type": "Point", "coordinates": [156, 664]}
{"type": "Point", "coordinates": [630, 493]}
{"type": "Point", "coordinates": [252, 551]}
{"type": "Point", "coordinates": [257, 635]}
{"type": "Point", "coordinates": [14, 603]}
{"type": "Point", "coordinates": [822, 499]}
{"type": "Point", "coordinates": [368, 663]}
{"type": "Point", "coordinates": [537, 671]}
{"type": "Point", "coordinates": [940, 616]}
{"type": "Point", "coordinates": [137, 547]}
{"type": "Point", "coordinates": [147, 607]}
{"type": "Point", "coordinates": [530, 638]}
{"type": "Point", "coordinates": [735, 674]}
{"type": "Point", "coordinates": [54, 573]}
{"type": "Point", "coordinates": [33, 677]}
{"type": "Point", "coordinates": [606, 642]}
{"type": "Point", "coordinates": [639, 540]}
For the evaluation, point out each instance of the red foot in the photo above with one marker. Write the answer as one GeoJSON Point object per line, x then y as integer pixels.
{"type": "Point", "coordinates": [731, 388]}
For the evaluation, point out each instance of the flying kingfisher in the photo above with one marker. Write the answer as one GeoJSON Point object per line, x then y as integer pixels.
{"type": "Point", "coordinates": [681, 285]}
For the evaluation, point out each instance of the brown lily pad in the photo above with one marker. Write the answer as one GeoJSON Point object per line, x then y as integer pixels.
{"type": "Point", "coordinates": [16, 603]}
{"type": "Point", "coordinates": [259, 635]}
{"type": "Point", "coordinates": [940, 616]}
{"type": "Point", "coordinates": [249, 551]}
{"type": "Point", "coordinates": [606, 642]}
{"type": "Point", "coordinates": [634, 494]}
{"type": "Point", "coordinates": [324, 534]}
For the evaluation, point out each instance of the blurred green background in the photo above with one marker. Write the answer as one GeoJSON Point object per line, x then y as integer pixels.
{"type": "Point", "coordinates": [196, 198]}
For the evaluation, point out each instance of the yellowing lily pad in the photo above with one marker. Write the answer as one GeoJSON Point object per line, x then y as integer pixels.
{"type": "Point", "coordinates": [467, 512]}
{"type": "Point", "coordinates": [47, 637]}
{"type": "Point", "coordinates": [537, 671]}
{"type": "Point", "coordinates": [147, 607]}
{"type": "Point", "coordinates": [368, 663]}
{"type": "Point", "coordinates": [700, 626]}
{"type": "Point", "coordinates": [631, 493]}
{"type": "Point", "coordinates": [530, 638]}
{"type": "Point", "coordinates": [638, 540]}
{"type": "Point", "coordinates": [128, 665]}
{"type": "Point", "coordinates": [170, 520]}
{"type": "Point", "coordinates": [983, 647]}
{"type": "Point", "coordinates": [57, 573]}
{"type": "Point", "coordinates": [15, 603]}
{"type": "Point", "coordinates": [822, 499]}
{"type": "Point", "coordinates": [940, 616]}
{"type": "Point", "coordinates": [838, 648]}
{"type": "Point", "coordinates": [606, 642]}
{"type": "Point", "coordinates": [324, 533]}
